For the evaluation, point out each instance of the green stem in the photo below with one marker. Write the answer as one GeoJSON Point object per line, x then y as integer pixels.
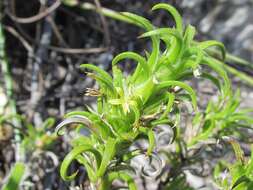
{"type": "Point", "coordinates": [246, 78]}
{"type": "Point", "coordinates": [232, 59]}
{"type": "Point", "coordinates": [106, 12]}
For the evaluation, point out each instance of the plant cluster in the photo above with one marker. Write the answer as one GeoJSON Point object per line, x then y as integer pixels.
{"type": "Point", "coordinates": [239, 174]}
{"type": "Point", "coordinates": [133, 106]}
{"type": "Point", "coordinates": [32, 138]}
{"type": "Point", "coordinates": [143, 114]}
{"type": "Point", "coordinates": [36, 143]}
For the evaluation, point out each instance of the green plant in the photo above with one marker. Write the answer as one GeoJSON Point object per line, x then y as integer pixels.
{"type": "Point", "coordinates": [222, 119]}
{"type": "Point", "coordinates": [33, 138]}
{"type": "Point", "coordinates": [15, 178]}
{"type": "Point", "coordinates": [238, 175]}
{"type": "Point", "coordinates": [214, 52]}
{"type": "Point", "coordinates": [35, 142]}
{"type": "Point", "coordinates": [131, 107]}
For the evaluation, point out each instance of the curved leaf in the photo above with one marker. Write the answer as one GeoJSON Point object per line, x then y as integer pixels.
{"type": "Point", "coordinates": [122, 176]}
{"type": "Point", "coordinates": [189, 35]}
{"type": "Point", "coordinates": [136, 111]}
{"type": "Point", "coordinates": [206, 44]}
{"type": "Point", "coordinates": [71, 156]}
{"type": "Point", "coordinates": [48, 123]}
{"type": "Point", "coordinates": [145, 24]}
{"type": "Point", "coordinates": [108, 154]}
{"type": "Point", "coordinates": [103, 82]}
{"type": "Point", "coordinates": [171, 98]}
{"type": "Point", "coordinates": [189, 89]}
{"type": "Point", "coordinates": [98, 70]}
{"type": "Point", "coordinates": [131, 55]}
{"type": "Point", "coordinates": [217, 67]}
{"type": "Point", "coordinates": [177, 17]}
{"type": "Point", "coordinates": [162, 31]}
{"type": "Point", "coordinates": [149, 133]}
{"type": "Point", "coordinates": [75, 119]}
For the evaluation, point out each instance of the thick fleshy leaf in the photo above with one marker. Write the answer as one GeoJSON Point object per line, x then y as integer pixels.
{"type": "Point", "coordinates": [189, 35]}
{"type": "Point", "coordinates": [75, 119]}
{"type": "Point", "coordinates": [185, 86]}
{"type": "Point", "coordinates": [109, 153]}
{"type": "Point", "coordinates": [103, 82]}
{"type": "Point", "coordinates": [151, 140]}
{"type": "Point", "coordinates": [173, 50]}
{"type": "Point", "coordinates": [143, 91]}
{"type": "Point", "coordinates": [97, 124]}
{"type": "Point", "coordinates": [198, 57]}
{"type": "Point", "coordinates": [217, 67]}
{"type": "Point", "coordinates": [173, 12]}
{"type": "Point", "coordinates": [136, 111]}
{"type": "Point", "coordinates": [132, 55]}
{"type": "Point", "coordinates": [171, 98]}
{"type": "Point", "coordinates": [145, 24]}
{"type": "Point", "coordinates": [91, 171]}
{"type": "Point", "coordinates": [15, 178]}
{"type": "Point", "coordinates": [213, 79]}
{"type": "Point", "coordinates": [48, 123]}
{"type": "Point", "coordinates": [72, 155]}
{"type": "Point", "coordinates": [155, 103]}
{"type": "Point", "coordinates": [120, 176]}
{"type": "Point", "coordinates": [149, 133]}
{"type": "Point", "coordinates": [163, 31]}
{"type": "Point", "coordinates": [118, 80]}
{"type": "Point", "coordinates": [206, 44]}
{"type": "Point", "coordinates": [242, 179]}
{"type": "Point", "coordinates": [98, 70]}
